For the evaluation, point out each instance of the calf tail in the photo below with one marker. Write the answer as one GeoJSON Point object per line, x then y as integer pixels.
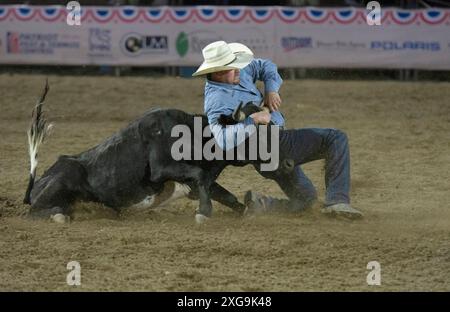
{"type": "Point", "coordinates": [38, 131]}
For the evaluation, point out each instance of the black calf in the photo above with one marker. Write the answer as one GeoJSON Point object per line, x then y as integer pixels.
{"type": "Point", "coordinates": [118, 172]}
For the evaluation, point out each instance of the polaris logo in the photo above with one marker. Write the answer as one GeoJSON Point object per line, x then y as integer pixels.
{"type": "Point", "coordinates": [405, 45]}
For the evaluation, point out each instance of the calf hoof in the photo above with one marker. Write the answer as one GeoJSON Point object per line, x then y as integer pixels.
{"type": "Point", "coordinates": [59, 218]}
{"type": "Point", "coordinates": [200, 219]}
{"type": "Point", "coordinates": [36, 213]}
{"type": "Point", "coordinates": [288, 165]}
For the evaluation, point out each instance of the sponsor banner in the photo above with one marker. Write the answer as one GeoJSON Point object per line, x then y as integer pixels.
{"type": "Point", "coordinates": [160, 36]}
{"type": "Point", "coordinates": [414, 46]}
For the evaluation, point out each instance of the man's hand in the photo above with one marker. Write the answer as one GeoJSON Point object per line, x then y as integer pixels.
{"type": "Point", "coordinates": [261, 118]}
{"type": "Point", "coordinates": [272, 100]}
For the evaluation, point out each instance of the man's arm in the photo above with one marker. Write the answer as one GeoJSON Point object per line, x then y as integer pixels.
{"type": "Point", "coordinates": [266, 71]}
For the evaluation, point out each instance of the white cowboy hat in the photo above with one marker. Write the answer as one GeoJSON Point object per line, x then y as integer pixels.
{"type": "Point", "coordinates": [220, 55]}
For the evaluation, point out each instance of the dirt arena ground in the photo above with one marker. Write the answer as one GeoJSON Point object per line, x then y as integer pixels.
{"type": "Point", "coordinates": [400, 151]}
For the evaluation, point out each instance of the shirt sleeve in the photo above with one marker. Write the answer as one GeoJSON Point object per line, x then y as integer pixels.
{"type": "Point", "coordinates": [230, 136]}
{"type": "Point", "coordinates": [266, 71]}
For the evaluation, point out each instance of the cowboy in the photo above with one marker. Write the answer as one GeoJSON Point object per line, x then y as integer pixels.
{"type": "Point", "coordinates": [231, 72]}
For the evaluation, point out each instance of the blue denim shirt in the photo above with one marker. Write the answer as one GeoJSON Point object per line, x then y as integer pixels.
{"type": "Point", "coordinates": [223, 98]}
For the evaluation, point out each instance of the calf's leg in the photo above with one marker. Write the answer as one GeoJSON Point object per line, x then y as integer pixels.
{"type": "Point", "coordinates": [58, 189]}
{"type": "Point", "coordinates": [183, 173]}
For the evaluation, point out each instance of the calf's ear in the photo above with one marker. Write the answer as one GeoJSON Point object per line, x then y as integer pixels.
{"type": "Point", "coordinates": [157, 158]}
{"type": "Point", "coordinates": [150, 129]}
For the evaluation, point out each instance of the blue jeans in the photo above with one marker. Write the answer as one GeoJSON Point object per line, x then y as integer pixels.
{"type": "Point", "coordinates": [306, 145]}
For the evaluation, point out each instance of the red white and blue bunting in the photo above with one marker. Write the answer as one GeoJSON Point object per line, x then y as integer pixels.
{"type": "Point", "coordinates": [208, 14]}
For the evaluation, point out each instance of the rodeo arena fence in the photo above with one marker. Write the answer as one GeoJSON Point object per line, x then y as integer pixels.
{"type": "Point", "coordinates": [293, 37]}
